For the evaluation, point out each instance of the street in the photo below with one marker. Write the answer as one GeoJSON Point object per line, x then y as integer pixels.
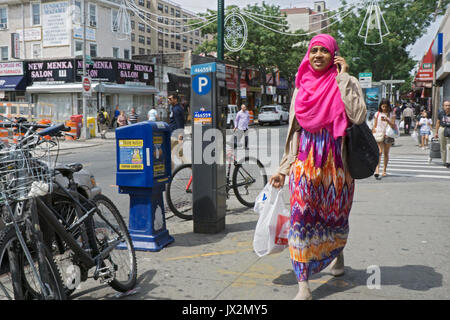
{"type": "Point", "coordinates": [398, 235]}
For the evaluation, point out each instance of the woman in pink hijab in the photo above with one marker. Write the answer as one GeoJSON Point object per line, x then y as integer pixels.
{"type": "Point", "coordinates": [325, 102]}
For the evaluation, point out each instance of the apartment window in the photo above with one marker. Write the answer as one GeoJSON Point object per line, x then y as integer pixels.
{"type": "Point", "coordinates": [178, 46]}
{"type": "Point", "coordinates": [149, 51]}
{"type": "Point", "coordinates": [184, 48]}
{"type": "Point", "coordinates": [132, 25]}
{"type": "Point", "coordinates": [178, 37]}
{"type": "Point", "coordinates": [160, 19]}
{"type": "Point", "coordinates": [115, 52]}
{"type": "Point", "coordinates": [160, 7]}
{"type": "Point", "coordinates": [4, 53]}
{"type": "Point", "coordinates": [149, 30]}
{"type": "Point", "coordinates": [149, 4]}
{"type": "Point", "coordinates": [133, 50]}
{"type": "Point", "coordinates": [142, 39]}
{"type": "Point", "coordinates": [197, 42]}
{"type": "Point", "coordinates": [172, 45]}
{"type": "Point", "coordinates": [126, 53]}
{"type": "Point", "coordinates": [166, 9]}
{"type": "Point", "coordinates": [35, 13]}
{"type": "Point", "coordinates": [185, 39]}
{"type": "Point", "coordinates": [141, 2]}
{"type": "Point", "coordinates": [190, 41]}
{"type": "Point", "coordinates": [141, 27]}
{"type": "Point", "coordinates": [166, 44]}
{"type": "Point", "coordinates": [149, 41]}
{"type": "Point", "coordinates": [78, 48]}
{"type": "Point", "coordinates": [93, 50]}
{"type": "Point", "coordinates": [197, 33]}
{"type": "Point", "coordinates": [141, 51]}
{"type": "Point", "coordinates": [133, 37]}
{"type": "Point", "coordinates": [172, 11]}
{"type": "Point", "coordinates": [177, 13]}
{"type": "Point", "coordinates": [172, 35]}
{"type": "Point", "coordinates": [92, 15]}
{"type": "Point", "coordinates": [160, 43]}
{"type": "Point", "coordinates": [184, 18]}
{"type": "Point", "coordinates": [4, 18]}
{"type": "Point", "coordinates": [78, 13]}
{"type": "Point", "coordinates": [36, 50]}
{"type": "Point", "coordinates": [114, 25]}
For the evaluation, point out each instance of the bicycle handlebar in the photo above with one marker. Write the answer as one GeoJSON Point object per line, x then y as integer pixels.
{"type": "Point", "coordinates": [54, 130]}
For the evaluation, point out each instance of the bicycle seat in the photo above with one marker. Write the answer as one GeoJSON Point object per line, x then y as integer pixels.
{"type": "Point", "coordinates": [70, 168]}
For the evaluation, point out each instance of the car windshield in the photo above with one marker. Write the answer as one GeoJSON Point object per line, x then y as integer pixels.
{"type": "Point", "coordinates": [268, 109]}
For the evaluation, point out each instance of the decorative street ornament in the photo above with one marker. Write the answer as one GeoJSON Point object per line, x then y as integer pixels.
{"type": "Point", "coordinates": [122, 23]}
{"type": "Point", "coordinates": [236, 32]}
{"type": "Point", "coordinates": [376, 27]}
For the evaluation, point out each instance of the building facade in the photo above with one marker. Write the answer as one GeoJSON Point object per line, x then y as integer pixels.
{"type": "Point", "coordinates": [163, 29]}
{"type": "Point", "coordinates": [307, 19]}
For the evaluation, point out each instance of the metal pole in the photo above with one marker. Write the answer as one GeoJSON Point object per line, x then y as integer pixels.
{"type": "Point", "coordinates": [220, 29]}
{"type": "Point", "coordinates": [85, 134]}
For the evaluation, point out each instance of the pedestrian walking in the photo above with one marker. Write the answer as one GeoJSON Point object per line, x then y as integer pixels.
{"type": "Point", "coordinates": [443, 131]}
{"type": "Point", "coordinates": [103, 119]}
{"type": "Point", "coordinates": [320, 185]}
{"type": "Point", "coordinates": [407, 116]}
{"type": "Point", "coordinates": [241, 126]}
{"type": "Point", "coordinates": [133, 117]}
{"type": "Point", "coordinates": [424, 124]}
{"type": "Point", "coordinates": [398, 114]}
{"type": "Point", "coordinates": [122, 119]}
{"type": "Point", "coordinates": [153, 114]}
{"type": "Point", "coordinates": [383, 118]}
{"type": "Point", "coordinates": [116, 115]}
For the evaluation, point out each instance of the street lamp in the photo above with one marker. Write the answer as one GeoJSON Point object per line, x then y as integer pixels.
{"type": "Point", "coordinates": [220, 28]}
{"type": "Point", "coordinates": [85, 134]}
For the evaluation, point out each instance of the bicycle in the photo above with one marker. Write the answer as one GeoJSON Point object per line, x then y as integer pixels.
{"type": "Point", "coordinates": [247, 180]}
{"type": "Point", "coordinates": [27, 268]}
{"type": "Point", "coordinates": [85, 233]}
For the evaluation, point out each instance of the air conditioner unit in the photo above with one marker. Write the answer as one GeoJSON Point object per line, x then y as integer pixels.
{"type": "Point", "coordinates": [3, 25]}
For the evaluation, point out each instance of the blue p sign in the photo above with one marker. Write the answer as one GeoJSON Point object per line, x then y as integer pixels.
{"type": "Point", "coordinates": [201, 84]}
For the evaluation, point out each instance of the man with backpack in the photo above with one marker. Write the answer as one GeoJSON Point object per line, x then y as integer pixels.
{"type": "Point", "coordinates": [103, 119]}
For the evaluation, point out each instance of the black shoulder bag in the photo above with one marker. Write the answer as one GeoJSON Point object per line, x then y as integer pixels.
{"type": "Point", "coordinates": [362, 151]}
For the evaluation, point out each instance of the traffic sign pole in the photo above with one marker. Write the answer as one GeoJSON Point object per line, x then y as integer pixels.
{"type": "Point", "coordinates": [85, 134]}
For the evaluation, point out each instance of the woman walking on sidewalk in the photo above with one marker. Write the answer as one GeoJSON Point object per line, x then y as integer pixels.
{"type": "Point", "coordinates": [383, 118]}
{"type": "Point", "coordinates": [325, 102]}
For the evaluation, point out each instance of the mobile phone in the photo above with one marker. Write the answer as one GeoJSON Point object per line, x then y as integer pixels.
{"type": "Point", "coordinates": [336, 54]}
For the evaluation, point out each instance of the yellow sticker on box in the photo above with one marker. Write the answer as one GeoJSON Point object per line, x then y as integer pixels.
{"type": "Point", "coordinates": [129, 166]}
{"type": "Point", "coordinates": [131, 143]}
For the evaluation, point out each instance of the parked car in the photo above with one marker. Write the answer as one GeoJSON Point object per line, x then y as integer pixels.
{"type": "Point", "coordinates": [231, 115]}
{"type": "Point", "coordinates": [272, 114]}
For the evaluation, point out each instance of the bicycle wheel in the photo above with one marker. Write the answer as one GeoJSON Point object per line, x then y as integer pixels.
{"type": "Point", "coordinates": [179, 192]}
{"type": "Point", "coordinates": [108, 227]}
{"type": "Point", "coordinates": [249, 178]}
{"type": "Point", "coordinates": [26, 285]}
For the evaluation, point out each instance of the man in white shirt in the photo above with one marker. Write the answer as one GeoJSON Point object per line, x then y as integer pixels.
{"type": "Point", "coordinates": [152, 114]}
{"type": "Point", "coordinates": [241, 125]}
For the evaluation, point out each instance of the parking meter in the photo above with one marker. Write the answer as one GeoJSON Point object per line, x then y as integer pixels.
{"type": "Point", "coordinates": [143, 169]}
{"type": "Point", "coordinates": [208, 108]}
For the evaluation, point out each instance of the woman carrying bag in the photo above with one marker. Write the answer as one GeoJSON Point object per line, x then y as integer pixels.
{"type": "Point", "coordinates": [384, 119]}
{"type": "Point", "coordinates": [326, 101]}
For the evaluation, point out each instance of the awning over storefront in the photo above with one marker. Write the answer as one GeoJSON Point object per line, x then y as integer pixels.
{"type": "Point", "coordinates": [125, 88]}
{"type": "Point", "coordinates": [56, 88]}
{"type": "Point", "coordinates": [12, 83]}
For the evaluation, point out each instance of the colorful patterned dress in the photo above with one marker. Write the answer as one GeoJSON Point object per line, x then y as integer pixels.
{"type": "Point", "coordinates": [321, 196]}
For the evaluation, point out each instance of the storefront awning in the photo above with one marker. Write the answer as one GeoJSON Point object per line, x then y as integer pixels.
{"type": "Point", "coordinates": [12, 83]}
{"type": "Point", "coordinates": [125, 88]}
{"type": "Point", "coordinates": [57, 88]}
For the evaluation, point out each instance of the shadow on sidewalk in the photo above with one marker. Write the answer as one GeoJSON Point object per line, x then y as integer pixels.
{"type": "Point", "coordinates": [410, 277]}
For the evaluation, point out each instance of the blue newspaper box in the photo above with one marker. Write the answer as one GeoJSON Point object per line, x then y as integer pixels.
{"type": "Point", "coordinates": [143, 169]}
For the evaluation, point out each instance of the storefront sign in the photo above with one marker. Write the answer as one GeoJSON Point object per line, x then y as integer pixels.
{"type": "Point", "coordinates": [135, 72]}
{"type": "Point", "coordinates": [60, 71]}
{"type": "Point", "coordinates": [15, 46]}
{"type": "Point", "coordinates": [78, 33]}
{"type": "Point", "coordinates": [11, 68]}
{"type": "Point", "coordinates": [100, 70]}
{"type": "Point", "coordinates": [32, 34]}
{"type": "Point", "coordinates": [54, 24]}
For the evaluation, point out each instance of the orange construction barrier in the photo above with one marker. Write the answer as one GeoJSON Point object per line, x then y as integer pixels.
{"type": "Point", "coordinates": [4, 135]}
{"type": "Point", "coordinates": [251, 116]}
{"type": "Point", "coordinates": [16, 134]}
{"type": "Point", "coordinates": [72, 134]}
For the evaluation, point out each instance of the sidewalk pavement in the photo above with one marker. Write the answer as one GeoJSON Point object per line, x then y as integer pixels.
{"type": "Point", "coordinates": [389, 236]}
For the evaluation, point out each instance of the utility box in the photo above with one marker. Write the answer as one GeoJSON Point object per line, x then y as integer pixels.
{"type": "Point", "coordinates": [143, 169]}
{"type": "Point", "coordinates": [209, 100]}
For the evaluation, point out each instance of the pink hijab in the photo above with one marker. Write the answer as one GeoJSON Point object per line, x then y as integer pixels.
{"type": "Point", "coordinates": [319, 103]}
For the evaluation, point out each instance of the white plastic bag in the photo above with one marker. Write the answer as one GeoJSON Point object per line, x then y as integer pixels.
{"type": "Point", "coordinates": [392, 133]}
{"type": "Point", "coordinates": [271, 233]}
{"type": "Point", "coordinates": [414, 136]}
